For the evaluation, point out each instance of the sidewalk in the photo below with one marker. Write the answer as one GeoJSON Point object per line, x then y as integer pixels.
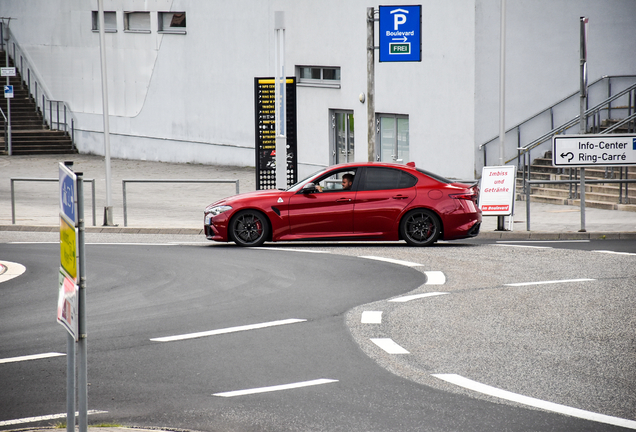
{"type": "Point", "coordinates": [178, 208]}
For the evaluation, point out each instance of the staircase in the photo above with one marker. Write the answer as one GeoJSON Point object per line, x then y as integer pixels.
{"type": "Point", "coordinates": [29, 133]}
{"type": "Point", "coordinates": [610, 196]}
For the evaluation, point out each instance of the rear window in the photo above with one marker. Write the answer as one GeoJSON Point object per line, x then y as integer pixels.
{"type": "Point", "coordinates": [439, 178]}
{"type": "Point", "coordinates": [377, 178]}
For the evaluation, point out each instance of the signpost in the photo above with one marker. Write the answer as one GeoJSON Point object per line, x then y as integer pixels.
{"type": "Point", "coordinates": [593, 150]}
{"type": "Point", "coordinates": [400, 33]}
{"type": "Point", "coordinates": [72, 284]}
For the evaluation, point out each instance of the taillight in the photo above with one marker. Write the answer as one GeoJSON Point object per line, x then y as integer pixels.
{"type": "Point", "coordinates": [471, 196]}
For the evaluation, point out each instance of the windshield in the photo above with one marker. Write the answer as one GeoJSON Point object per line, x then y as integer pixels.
{"type": "Point", "coordinates": [439, 178]}
{"type": "Point", "coordinates": [297, 186]}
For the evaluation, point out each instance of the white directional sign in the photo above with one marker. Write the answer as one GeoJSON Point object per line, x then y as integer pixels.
{"type": "Point", "coordinates": [593, 150]}
{"type": "Point", "coordinates": [7, 71]}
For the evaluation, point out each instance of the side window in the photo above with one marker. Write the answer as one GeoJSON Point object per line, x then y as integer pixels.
{"type": "Point", "coordinates": [172, 22]}
{"type": "Point", "coordinates": [377, 178]}
{"type": "Point", "coordinates": [341, 180]}
{"type": "Point", "coordinates": [110, 21]}
{"type": "Point", "coordinates": [137, 22]}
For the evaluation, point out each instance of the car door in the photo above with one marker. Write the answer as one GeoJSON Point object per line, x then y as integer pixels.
{"type": "Point", "coordinates": [382, 196]}
{"type": "Point", "coordinates": [323, 214]}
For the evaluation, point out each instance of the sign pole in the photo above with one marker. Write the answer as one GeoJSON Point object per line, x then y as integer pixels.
{"type": "Point", "coordinates": [6, 52]}
{"type": "Point", "coordinates": [70, 383]}
{"type": "Point", "coordinates": [279, 92]}
{"type": "Point", "coordinates": [582, 118]}
{"type": "Point", "coordinates": [371, 84]}
{"type": "Point", "coordinates": [82, 376]}
{"type": "Point", "coordinates": [108, 209]}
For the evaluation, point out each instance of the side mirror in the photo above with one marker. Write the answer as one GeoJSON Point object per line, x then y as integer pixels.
{"type": "Point", "coordinates": [309, 188]}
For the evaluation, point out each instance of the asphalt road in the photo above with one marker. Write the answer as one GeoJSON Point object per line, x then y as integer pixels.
{"type": "Point", "coordinates": [481, 329]}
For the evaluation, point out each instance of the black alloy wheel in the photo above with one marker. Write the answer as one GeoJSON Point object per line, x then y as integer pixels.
{"type": "Point", "coordinates": [420, 227]}
{"type": "Point", "coordinates": [249, 228]}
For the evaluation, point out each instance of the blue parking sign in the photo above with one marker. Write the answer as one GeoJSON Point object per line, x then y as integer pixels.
{"type": "Point", "coordinates": [8, 91]}
{"type": "Point", "coordinates": [400, 33]}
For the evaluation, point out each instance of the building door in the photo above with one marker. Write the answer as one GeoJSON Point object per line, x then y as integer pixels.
{"type": "Point", "coordinates": [342, 140]}
{"type": "Point", "coordinates": [393, 137]}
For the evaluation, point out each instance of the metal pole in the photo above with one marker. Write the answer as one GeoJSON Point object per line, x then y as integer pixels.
{"type": "Point", "coordinates": [371, 84]}
{"type": "Point", "coordinates": [82, 375]}
{"type": "Point", "coordinates": [279, 91]}
{"type": "Point", "coordinates": [70, 383]}
{"type": "Point", "coordinates": [108, 209]}
{"type": "Point", "coordinates": [583, 120]}
{"type": "Point", "coordinates": [6, 52]}
{"type": "Point", "coordinates": [12, 202]}
{"type": "Point", "coordinates": [502, 96]}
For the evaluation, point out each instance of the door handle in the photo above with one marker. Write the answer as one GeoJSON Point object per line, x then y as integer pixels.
{"type": "Point", "coordinates": [400, 197]}
{"type": "Point", "coordinates": [343, 200]}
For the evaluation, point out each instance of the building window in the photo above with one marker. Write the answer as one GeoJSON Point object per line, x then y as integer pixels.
{"type": "Point", "coordinates": [393, 137]}
{"type": "Point", "coordinates": [110, 21]}
{"type": "Point", "coordinates": [137, 22]}
{"type": "Point", "coordinates": [172, 22]}
{"type": "Point", "coordinates": [318, 76]}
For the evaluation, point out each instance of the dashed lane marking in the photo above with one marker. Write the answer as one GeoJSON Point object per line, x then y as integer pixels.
{"type": "Point", "coordinates": [417, 296]}
{"type": "Point", "coordinates": [44, 418]}
{"type": "Point", "coordinates": [10, 270]}
{"type": "Point", "coordinates": [389, 346]}
{"type": "Point", "coordinates": [549, 282]}
{"type": "Point", "coordinates": [435, 278]}
{"type": "Point", "coordinates": [275, 388]}
{"type": "Point", "coordinates": [613, 252]}
{"type": "Point", "coordinates": [227, 330]}
{"type": "Point", "coordinates": [31, 357]}
{"type": "Point", "coordinates": [394, 261]}
{"type": "Point", "coordinates": [537, 403]}
{"type": "Point", "coordinates": [371, 317]}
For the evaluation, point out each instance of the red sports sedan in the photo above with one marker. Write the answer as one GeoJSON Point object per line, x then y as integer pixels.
{"type": "Point", "coordinates": [357, 201]}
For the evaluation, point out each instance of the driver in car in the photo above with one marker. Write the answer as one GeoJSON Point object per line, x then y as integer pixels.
{"type": "Point", "coordinates": [347, 182]}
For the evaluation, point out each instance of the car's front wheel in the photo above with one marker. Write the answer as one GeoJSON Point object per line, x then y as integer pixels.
{"type": "Point", "coordinates": [249, 228]}
{"type": "Point", "coordinates": [420, 227]}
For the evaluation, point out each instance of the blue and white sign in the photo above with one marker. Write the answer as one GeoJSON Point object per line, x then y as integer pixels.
{"type": "Point", "coordinates": [400, 33]}
{"type": "Point", "coordinates": [593, 150]}
{"type": "Point", "coordinates": [8, 92]}
{"type": "Point", "coordinates": [68, 205]}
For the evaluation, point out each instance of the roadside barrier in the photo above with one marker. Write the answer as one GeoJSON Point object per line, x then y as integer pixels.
{"type": "Point", "coordinates": [27, 179]}
{"type": "Point", "coordinates": [123, 184]}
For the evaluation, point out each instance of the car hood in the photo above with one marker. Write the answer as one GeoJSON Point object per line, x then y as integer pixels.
{"type": "Point", "coordinates": [247, 196]}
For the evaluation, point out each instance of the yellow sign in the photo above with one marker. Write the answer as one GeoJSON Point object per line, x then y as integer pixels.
{"type": "Point", "coordinates": [68, 249]}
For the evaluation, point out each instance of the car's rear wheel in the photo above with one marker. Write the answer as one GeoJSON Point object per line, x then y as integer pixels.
{"type": "Point", "coordinates": [420, 227]}
{"type": "Point", "coordinates": [249, 228]}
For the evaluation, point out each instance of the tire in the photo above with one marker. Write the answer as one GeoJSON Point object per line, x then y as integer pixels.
{"type": "Point", "coordinates": [420, 227]}
{"type": "Point", "coordinates": [249, 228]}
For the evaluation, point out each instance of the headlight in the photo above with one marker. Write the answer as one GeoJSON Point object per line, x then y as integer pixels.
{"type": "Point", "coordinates": [214, 211]}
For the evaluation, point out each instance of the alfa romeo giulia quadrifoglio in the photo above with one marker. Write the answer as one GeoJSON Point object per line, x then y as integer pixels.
{"type": "Point", "coordinates": [357, 201]}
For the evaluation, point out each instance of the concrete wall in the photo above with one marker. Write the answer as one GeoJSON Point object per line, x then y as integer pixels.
{"type": "Point", "coordinates": [190, 98]}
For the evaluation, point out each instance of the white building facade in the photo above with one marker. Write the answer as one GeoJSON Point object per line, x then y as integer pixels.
{"type": "Point", "coordinates": [181, 74]}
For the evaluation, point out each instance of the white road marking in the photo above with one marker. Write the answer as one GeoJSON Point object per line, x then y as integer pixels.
{"type": "Point", "coordinates": [371, 317]}
{"type": "Point", "coordinates": [227, 330]}
{"type": "Point", "coordinates": [44, 418]}
{"type": "Point", "coordinates": [389, 346]}
{"type": "Point", "coordinates": [543, 241]}
{"type": "Point", "coordinates": [524, 246]}
{"type": "Point", "coordinates": [12, 270]}
{"type": "Point", "coordinates": [613, 252]}
{"type": "Point", "coordinates": [435, 278]}
{"type": "Point", "coordinates": [549, 282]}
{"type": "Point", "coordinates": [31, 357]}
{"type": "Point", "coordinates": [275, 388]}
{"type": "Point", "coordinates": [537, 403]}
{"type": "Point", "coordinates": [417, 296]}
{"type": "Point", "coordinates": [291, 250]}
{"type": "Point", "coordinates": [394, 261]}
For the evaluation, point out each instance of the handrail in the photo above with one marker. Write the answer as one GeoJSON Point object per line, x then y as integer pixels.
{"type": "Point", "coordinates": [5, 132]}
{"type": "Point", "coordinates": [39, 92]}
{"type": "Point", "coordinates": [604, 77]}
{"type": "Point", "coordinates": [573, 122]}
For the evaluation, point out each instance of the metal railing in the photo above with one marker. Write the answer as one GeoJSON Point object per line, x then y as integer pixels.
{"type": "Point", "coordinates": [540, 182]}
{"type": "Point", "coordinates": [123, 185]}
{"type": "Point", "coordinates": [5, 132]}
{"type": "Point", "coordinates": [56, 114]}
{"type": "Point", "coordinates": [28, 179]}
{"type": "Point", "coordinates": [605, 93]}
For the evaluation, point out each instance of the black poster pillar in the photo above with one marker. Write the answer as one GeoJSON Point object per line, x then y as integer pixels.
{"type": "Point", "coordinates": [265, 120]}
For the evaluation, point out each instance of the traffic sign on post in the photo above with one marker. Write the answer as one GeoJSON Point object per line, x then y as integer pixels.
{"type": "Point", "coordinates": [593, 150]}
{"type": "Point", "coordinates": [8, 92]}
{"type": "Point", "coordinates": [400, 33]}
